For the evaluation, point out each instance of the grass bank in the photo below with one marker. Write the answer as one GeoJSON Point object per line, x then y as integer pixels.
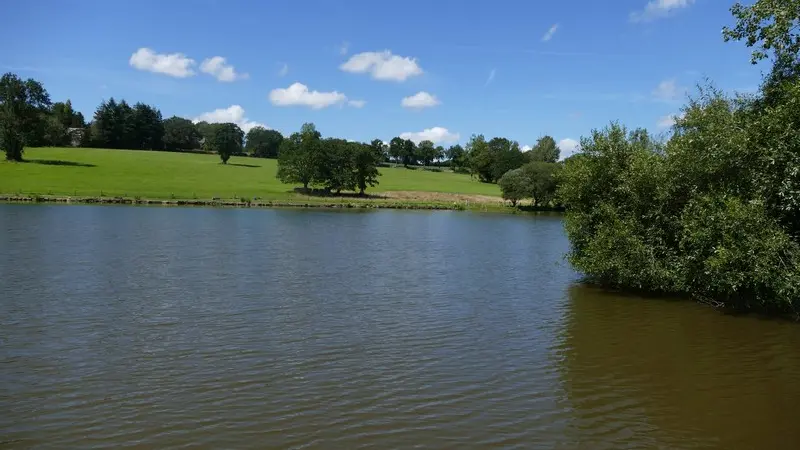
{"type": "Point", "coordinates": [130, 176]}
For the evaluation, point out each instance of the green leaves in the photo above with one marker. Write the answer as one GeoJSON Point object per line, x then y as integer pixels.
{"type": "Point", "coordinates": [225, 139]}
{"type": "Point", "coordinates": [263, 143]}
{"type": "Point", "coordinates": [24, 106]}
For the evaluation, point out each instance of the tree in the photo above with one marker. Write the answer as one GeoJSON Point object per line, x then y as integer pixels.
{"type": "Point", "coordinates": [55, 134]}
{"type": "Point", "coordinates": [771, 26]}
{"type": "Point", "coordinates": [336, 167]}
{"type": "Point", "coordinates": [367, 159]}
{"type": "Point", "coordinates": [514, 185]}
{"type": "Point", "coordinates": [380, 149]}
{"type": "Point", "coordinates": [457, 157]}
{"type": "Point", "coordinates": [205, 129]}
{"type": "Point", "coordinates": [480, 158]}
{"type": "Point", "coordinates": [300, 157]}
{"type": "Point", "coordinates": [396, 149]}
{"type": "Point", "coordinates": [426, 152]}
{"type": "Point", "coordinates": [146, 128]}
{"type": "Point", "coordinates": [263, 143]}
{"type": "Point", "coordinates": [541, 181]}
{"type": "Point", "coordinates": [545, 150]}
{"type": "Point", "coordinates": [409, 154]}
{"type": "Point", "coordinates": [225, 139]}
{"type": "Point", "coordinates": [181, 134]}
{"type": "Point", "coordinates": [23, 105]}
{"type": "Point", "coordinates": [67, 116]}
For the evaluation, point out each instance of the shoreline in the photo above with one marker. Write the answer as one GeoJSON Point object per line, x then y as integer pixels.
{"type": "Point", "coordinates": [233, 203]}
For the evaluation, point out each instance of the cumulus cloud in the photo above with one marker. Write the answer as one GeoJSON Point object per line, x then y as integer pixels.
{"type": "Point", "coordinates": [526, 148]}
{"type": "Point", "coordinates": [437, 135]}
{"type": "Point", "coordinates": [218, 67]}
{"type": "Point", "coordinates": [298, 95]}
{"type": "Point", "coordinates": [232, 114]}
{"type": "Point", "coordinates": [383, 66]}
{"type": "Point", "coordinates": [420, 100]}
{"type": "Point", "coordinates": [550, 32]}
{"type": "Point", "coordinates": [659, 9]}
{"type": "Point", "coordinates": [668, 91]}
{"type": "Point", "coordinates": [173, 64]}
{"type": "Point", "coordinates": [568, 147]}
{"type": "Point", "coordinates": [357, 103]}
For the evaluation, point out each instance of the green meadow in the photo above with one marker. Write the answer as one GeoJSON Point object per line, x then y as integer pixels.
{"type": "Point", "coordinates": [165, 175]}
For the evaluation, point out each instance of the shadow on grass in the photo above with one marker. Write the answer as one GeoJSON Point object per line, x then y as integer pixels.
{"type": "Point", "coordinates": [243, 165]}
{"type": "Point", "coordinates": [324, 193]}
{"type": "Point", "coordinates": [57, 162]}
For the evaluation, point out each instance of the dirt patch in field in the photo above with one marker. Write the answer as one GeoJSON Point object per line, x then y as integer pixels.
{"type": "Point", "coordinates": [442, 197]}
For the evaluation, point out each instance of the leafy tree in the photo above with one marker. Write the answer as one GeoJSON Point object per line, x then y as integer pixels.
{"type": "Point", "coordinates": [23, 105]}
{"type": "Point", "coordinates": [545, 150]}
{"type": "Point", "coordinates": [180, 134]}
{"type": "Point", "coordinates": [55, 134]}
{"type": "Point", "coordinates": [440, 152]}
{"type": "Point", "coordinates": [410, 155]}
{"type": "Point", "coordinates": [366, 161]}
{"type": "Point", "coordinates": [771, 26]}
{"type": "Point", "coordinates": [397, 149]}
{"type": "Point", "coordinates": [457, 157]}
{"type": "Point", "coordinates": [490, 160]}
{"type": "Point", "coordinates": [300, 157]}
{"type": "Point", "coordinates": [426, 152]}
{"type": "Point", "coordinates": [263, 143]}
{"type": "Point", "coordinates": [68, 117]}
{"type": "Point", "coordinates": [225, 139]}
{"type": "Point", "coordinates": [380, 149]}
{"type": "Point", "coordinates": [541, 181]}
{"type": "Point", "coordinates": [480, 158]}
{"type": "Point", "coordinates": [205, 129]}
{"type": "Point", "coordinates": [336, 168]}
{"type": "Point", "coordinates": [514, 185]}
{"type": "Point", "coordinates": [146, 128]}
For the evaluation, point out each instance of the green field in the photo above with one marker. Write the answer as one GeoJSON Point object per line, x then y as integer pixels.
{"type": "Point", "coordinates": [165, 175]}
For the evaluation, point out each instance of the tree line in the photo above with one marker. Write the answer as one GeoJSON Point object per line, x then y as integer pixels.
{"type": "Point", "coordinates": [713, 212]}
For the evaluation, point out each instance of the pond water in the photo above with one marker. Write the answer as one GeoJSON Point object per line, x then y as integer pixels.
{"type": "Point", "coordinates": [233, 328]}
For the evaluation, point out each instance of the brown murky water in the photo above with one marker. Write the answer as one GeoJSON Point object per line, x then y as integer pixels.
{"type": "Point", "coordinates": [214, 328]}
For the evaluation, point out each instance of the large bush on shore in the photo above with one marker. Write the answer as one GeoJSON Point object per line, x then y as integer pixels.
{"type": "Point", "coordinates": [712, 214]}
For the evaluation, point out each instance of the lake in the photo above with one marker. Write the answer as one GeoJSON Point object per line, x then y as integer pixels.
{"type": "Point", "coordinates": [235, 328]}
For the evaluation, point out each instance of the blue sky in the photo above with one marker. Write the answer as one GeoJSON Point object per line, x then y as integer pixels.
{"type": "Point", "coordinates": [518, 69]}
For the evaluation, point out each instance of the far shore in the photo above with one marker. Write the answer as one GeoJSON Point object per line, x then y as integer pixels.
{"type": "Point", "coordinates": [338, 203]}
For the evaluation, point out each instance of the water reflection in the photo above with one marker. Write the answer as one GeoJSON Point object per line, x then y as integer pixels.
{"type": "Point", "coordinates": [660, 373]}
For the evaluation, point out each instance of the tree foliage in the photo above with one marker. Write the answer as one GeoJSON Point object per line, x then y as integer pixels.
{"type": "Point", "coordinates": [335, 165]}
{"type": "Point", "coordinates": [181, 134]}
{"type": "Point", "coordinates": [24, 105]}
{"type": "Point", "coordinates": [490, 160]}
{"type": "Point", "coordinates": [771, 26]}
{"type": "Point", "coordinates": [263, 143]}
{"type": "Point", "coordinates": [225, 139]}
{"type": "Point", "coordinates": [545, 150]}
{"type": "Point", "coordinates": [514, 185]}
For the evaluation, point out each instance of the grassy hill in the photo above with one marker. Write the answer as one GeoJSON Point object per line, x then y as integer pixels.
{"type": "Point", "coordinates": [165, 175]}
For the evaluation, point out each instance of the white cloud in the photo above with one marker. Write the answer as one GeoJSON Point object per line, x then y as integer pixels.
{"type": "Point", "coordinates": [666, 121]}
{"type": "Point", "coordinates": [568, 147]}
{"type": "Point", "coordinates": [298, 95]}
{"type": "Point", "coordinates": [491, 77]}
{"type": "Point", "coordinates": [549, 35]}
{"type": "Point", "coordinates": [344, 48]}
{"type": "Point", "coordinates": [668, 91]}
{"type": "Point", "coordinates": [357, 103]}
{"type": "Point", "coordinates": [526, 148]}
{"type": "Point", "coordinates": [659, 9]}
{"type": "Point", "coordinates": [437, 135]}
{"type": "Point", "coordinates": [232, 114]}
{"type": "Point", "coordinates": [218, 68]}
{"type": "Point", "coordinates": [174, 64]}
{"type": "Point", "coordinates": [284, 70]}
{"type": "Point", "coordinates": [383, 66]}
{"type": "Point", "coordinates": [420, 100]}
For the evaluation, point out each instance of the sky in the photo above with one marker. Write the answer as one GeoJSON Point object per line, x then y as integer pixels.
{"type": "Point", "coordinates": [364, 69]}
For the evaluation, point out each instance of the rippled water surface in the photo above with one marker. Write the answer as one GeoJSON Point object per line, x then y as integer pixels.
{"type": "Point", "coordinates": [222, 328]}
